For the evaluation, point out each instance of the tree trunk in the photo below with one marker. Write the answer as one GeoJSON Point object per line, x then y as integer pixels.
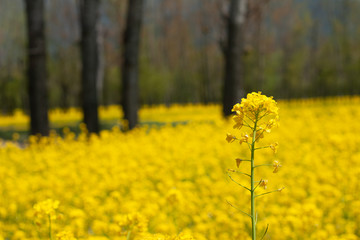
{"type": "Point", "coordinates": [37, 85]}
{"type": "Point", "coordinates": [101, 65]}
{"type": "Point", "coordinates": [233, 80]}
{"type": "Point", "coordinates": [90, 63]}
{"type": "Point", "coordinates": [130, 62]}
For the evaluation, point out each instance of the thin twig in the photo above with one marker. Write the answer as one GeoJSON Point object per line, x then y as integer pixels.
{"type": "Point", "coordinates": [235, 171]}
{"type": "Point", "coordinates": [249, 119]}
{"type": "Point", "coordinates": [248, 125]}
{"type": "Point", "coordinates": [238, 209]}
{"type": "Point", "coordinates": [257, 185]}
{"type": "Point", "coordinates": [263, 165]}
{"type": "Point", "coordinates": [262, 147]}
{"type": "Point", "coordinates": [267, 227]}
{"type": "Point", "coordinates": [238, 183]}
{"type": "Point", "coordinates": [277, 190]}
{"type": "Point", "coordinates": [259, 135]}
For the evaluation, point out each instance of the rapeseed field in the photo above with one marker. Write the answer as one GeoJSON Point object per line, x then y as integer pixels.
{"type": "Point", "coordinates": [171, 182]}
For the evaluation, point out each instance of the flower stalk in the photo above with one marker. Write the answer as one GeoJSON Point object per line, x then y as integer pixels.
{"type": "Point", "coordinates": [253, 220]}
{"type": "Point", "coordinates": [50, 234]}
{"type": "Point", "coordinates": [262, 111]}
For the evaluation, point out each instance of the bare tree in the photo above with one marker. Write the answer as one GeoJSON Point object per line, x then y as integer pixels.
{"type": "Point", "coordinates": [233, 50]}
{"type": "Point", "coordinates": [37, 75]}
{"type": "Point", "coordinates": [130, 62]}
{"type": "Point", "coordinates": [90, 62]}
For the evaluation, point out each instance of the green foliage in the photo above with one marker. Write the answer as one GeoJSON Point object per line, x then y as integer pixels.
{"type": "Point", "coordinates": [154, 83]}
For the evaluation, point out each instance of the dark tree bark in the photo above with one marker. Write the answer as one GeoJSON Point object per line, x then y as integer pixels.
{"type": "Point", "coordinates": [130, 62]}
{"type": "Point", "coordinates": [37, 75]}
{"type": "Point", "coordinates": [234, 50]}
{"type": "Point", "coordinates": [90, 63]}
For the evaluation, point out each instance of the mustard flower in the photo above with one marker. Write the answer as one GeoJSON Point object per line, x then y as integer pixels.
{"type": "Point", "coordinates": [274, 146]}
{"type": "Point", "coordinates": [230, 138]}
{"type": "Point", "coordinates": [65, 235]}
{"type": "Point", "coordinates": [244, 138]}
{"type": "Point", "coordinates": [256, 107]}
{"type": "Point", "coordinates": [238, 161]}
{"type": "Point", "coordinates": [134, 223]}
{"type": "Point", "coordinates": [276, 165]}
{"type": "Point", "coordinates": [46, 209]}
{"type": "Point", "coordinates": [263, 183]}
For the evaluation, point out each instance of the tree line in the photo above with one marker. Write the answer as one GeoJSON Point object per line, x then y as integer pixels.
{"type": "Point", "coordinates": [190, 51]}
{"type": "Point", "coordinates": [89, 11]}
{"type": "Point", "coordinates": [37, 71]}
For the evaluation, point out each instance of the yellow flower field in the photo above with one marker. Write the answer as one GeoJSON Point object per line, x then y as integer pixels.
{"type": "Point", "coordinates": [172, 183]}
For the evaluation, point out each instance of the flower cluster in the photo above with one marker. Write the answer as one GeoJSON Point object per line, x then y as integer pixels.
{"type": "Point", "coordinates": [65, 235]}
{"type": "Point", "coordinates": [254, 108]}
{"type": "Point", "coordinates": [46, 209]}
{"type": "Point", "coordinates": [181, 236]}
{"type": "Point", "coordinates": [133, 223]}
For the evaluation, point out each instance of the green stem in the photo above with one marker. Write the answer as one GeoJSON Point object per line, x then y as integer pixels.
{"type": "Point", "coordinates": [231, 178]}
{"type": "Point", "coordinates": [263, 165]}
{"type": "Point", "coordinates": [128, 237]}
{"type": "Point", "coordinates": [261, 147]}
{"type": "Point", "coordinates": [235, 171]}
{"type": "Point", "coordinates": [50, 236]}
{"type": "Point", "coordinates": [238, 209]}
{"type": "Point", "coordinates": [253, 220]}
{"type": "Point", "coordinates": [277, 190]}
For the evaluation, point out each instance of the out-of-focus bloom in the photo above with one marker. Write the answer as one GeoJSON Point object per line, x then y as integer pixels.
{"type": "Point", "coordinates": [238, 161]}
{"type": "Point", "coordinates": [276, 165]}
{"type": "Point", "coordinates": [274, 146]}
{"type": "Point", "coordinates": [259, 134]}
{"type": "Point", "coordinates": [238, 119]}
{"type": "Point", "coordinates": [65, 235]}
{"type": "Point", "coordinates": [174, 196]}
{"type": "Point", "coordinates": [134, 222]}
{"type": "Point", "coordinates": [230, 138]}
{"type": "Point", "coordinates": [263, 183]}
{"type": "Point", "coordinates": [46, 208]}
{"type": "Point", "coordinates": [244, 138]}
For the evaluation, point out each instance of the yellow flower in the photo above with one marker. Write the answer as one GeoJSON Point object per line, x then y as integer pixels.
{"type": "Point", "coordinates": [263, 183]}
{"type": "Point", "coordinates": [274, 146]}
{"type": "Point", "coordinates": [255, 107]}
{"type": "Point", "coordinates": [244, 138]}
{"type": "Point", "coordinates": [238, 119]}
{"type": "Point", "coordinates": [134, 222]}
{"type": "Point", "coordinates": [276, 165]}
{"type": "Point", "coordinates": [236, 107]}
{"type": "Point", "coordinates": [230, 138]}
{"type": "Point", "coordinates": [65, 235]}
{"type": "Point", "coordinates": [46, 208]}
{"type": "Point", "coordinates": [238, 161]}
{"type": "Point", "coordinates": [259, 134]}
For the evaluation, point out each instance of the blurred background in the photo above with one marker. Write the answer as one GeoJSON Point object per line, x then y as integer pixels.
{"type": "Point", "coordinates": [289, 49]}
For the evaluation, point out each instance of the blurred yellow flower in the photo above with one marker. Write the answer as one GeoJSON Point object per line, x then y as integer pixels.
{"type": "Point", "coordinates": [263, 183]}
{"type": "Point", "coordinates": [274, 146]}
{"type": "Point", "coordinates": [276, 165]}
{"type": "Point", "coordinates": [65, 235]}
{"type": "Point", "coordinates": [230, 138]}
{"type": "Point", "coordinates": [46, 209]}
